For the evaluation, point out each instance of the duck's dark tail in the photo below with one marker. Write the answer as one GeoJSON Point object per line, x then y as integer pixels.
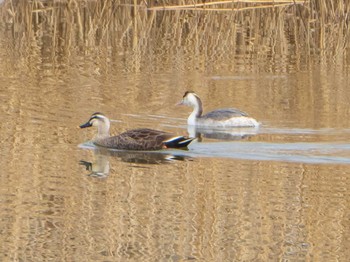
{"type": "Point", "coordinates": [178, 142]}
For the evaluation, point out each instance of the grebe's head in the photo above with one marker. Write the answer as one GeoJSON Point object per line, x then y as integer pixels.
{"type": "Point", "coordinates": [191, 99]}
{"type": "Point", "coordinates": [97, 119]}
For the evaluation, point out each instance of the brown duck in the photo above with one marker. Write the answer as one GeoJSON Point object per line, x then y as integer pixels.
{"type": "Point", "coordinates": [136, 139]}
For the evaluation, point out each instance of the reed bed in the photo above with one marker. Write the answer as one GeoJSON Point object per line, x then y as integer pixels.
{"type": "Point", "coordinates": [286, 26]}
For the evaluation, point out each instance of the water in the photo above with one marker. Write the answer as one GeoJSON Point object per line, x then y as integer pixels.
{"type": "Point", "coordinates": [280, 192]}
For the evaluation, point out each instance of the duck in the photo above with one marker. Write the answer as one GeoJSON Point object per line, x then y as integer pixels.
{"type": "Point", "coordinates": [135, 139]}
{"type": "Point", "coordinates": [226, 117]}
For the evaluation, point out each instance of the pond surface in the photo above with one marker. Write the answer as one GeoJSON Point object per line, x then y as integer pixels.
{"type": "Point", "coordinates": [279, 192]}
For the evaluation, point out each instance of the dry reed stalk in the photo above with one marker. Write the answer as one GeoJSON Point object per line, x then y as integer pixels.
{"type": "Point", "coordinates": [106, 24]}
{"type": "Point", "coordinates": [201, 6]}
{"type": "Point", "coordinates": [229, 9]}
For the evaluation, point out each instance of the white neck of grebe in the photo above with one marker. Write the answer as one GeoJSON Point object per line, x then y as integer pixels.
{"type": "Point", "coordinates": [191, 130]}
{"type": "Point", "coordinates": [195, 102]}
{"type": "Point", "coordinates": [192, 119]}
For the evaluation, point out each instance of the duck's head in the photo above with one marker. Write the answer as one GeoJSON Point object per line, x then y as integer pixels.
{"type": "Point", "coordinates": [99, 120]}
{"type": "Point", "coordinates": [190, 98]}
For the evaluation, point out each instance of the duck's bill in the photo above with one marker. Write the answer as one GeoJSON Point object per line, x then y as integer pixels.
{"type": "Point", "coordinates": [87, 124]}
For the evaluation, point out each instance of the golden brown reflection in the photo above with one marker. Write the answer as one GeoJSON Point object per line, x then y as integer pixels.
{"type": "Point", "coordinates": [273, 66]}
{"type": "Point", "coordinates": [202, 209]}
{"type": "Point", "coordinates": [60, 61]}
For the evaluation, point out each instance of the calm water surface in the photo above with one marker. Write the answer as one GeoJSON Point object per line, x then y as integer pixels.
{"type": "Point", "coordinates": [277, 193]}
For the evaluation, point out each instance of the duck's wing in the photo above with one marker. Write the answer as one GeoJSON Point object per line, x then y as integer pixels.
{"type": "Point", "coordinates": [225, 113]}
{"type": "Point", "coordinates": [143, 139]}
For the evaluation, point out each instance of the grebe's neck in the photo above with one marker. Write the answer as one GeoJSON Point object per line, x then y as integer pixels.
{"type": "Point", "coordinates": [192, 131]}
{"type": "Point", "coordinates": [196, 113]}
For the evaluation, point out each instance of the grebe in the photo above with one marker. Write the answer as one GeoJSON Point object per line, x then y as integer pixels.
{"type": "Point", "coordinates": [226, 117]}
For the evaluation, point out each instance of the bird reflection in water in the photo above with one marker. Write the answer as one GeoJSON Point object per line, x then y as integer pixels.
{"type": "Point", "coordinates": [100, 166]}
{"type": "Point", "coordinates": [235, 133]}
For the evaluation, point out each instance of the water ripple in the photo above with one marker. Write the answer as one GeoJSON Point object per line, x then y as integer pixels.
{"type": "Point", "coordinates": [317, 153]}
